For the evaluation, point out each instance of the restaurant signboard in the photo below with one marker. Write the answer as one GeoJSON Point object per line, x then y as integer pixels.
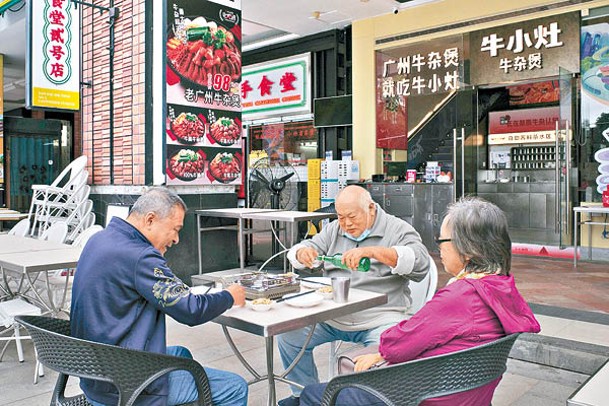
{"type": "Point", "coordinates": [203, 102]}
{"type": "Point", "coordinates": [281, 87]}
{"type": "Point", "coordinates": [53, 46]}
{"type": "Point", "coordinates": [525, 50]}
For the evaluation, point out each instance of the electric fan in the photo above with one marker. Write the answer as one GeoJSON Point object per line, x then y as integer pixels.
{"type": "Point", "coordinates": [273, 184]}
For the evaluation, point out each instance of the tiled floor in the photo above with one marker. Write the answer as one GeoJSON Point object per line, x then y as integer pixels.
{"type": "Point", "coordinates": [541, 281]}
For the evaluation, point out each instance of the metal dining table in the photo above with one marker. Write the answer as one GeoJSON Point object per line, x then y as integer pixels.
{"type": "Point", "coordinates": [26, 258]}
{"type": "Point", "coordinates": [242, 214]}
{"type": "Point", "coordinates": [283, 318]}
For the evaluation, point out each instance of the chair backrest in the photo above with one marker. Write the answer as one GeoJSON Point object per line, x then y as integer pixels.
{"type": "Point", "coordinates": [422, 292]}
{"type": "Point", "coordinates": [74, 169]}
{"type": "Point", "coordinates": [57, 232]}
{"type": "Point", "coordinates": [84, 236]}
{"type": "Point", "coordinates": [21, 228]}
{"type": "Point", "coordinates": [409, 383]}
{"type": "Point", "coordinates": [131, 371]}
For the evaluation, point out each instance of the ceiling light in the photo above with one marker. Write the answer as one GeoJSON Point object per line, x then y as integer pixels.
{"type": "Point", "coordinates": [268, 41]}
{"type": "Point", "coordinates": [316, 15]}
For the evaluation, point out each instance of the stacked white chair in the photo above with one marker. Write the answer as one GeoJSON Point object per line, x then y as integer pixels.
{"type": "Point", "coordinates": [60, 282]}
{"type": "Point", "coordinates": [59, 200]}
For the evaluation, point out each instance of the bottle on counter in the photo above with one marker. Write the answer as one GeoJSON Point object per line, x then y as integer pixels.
{"type": "Point", "coordinates": [337, 260]}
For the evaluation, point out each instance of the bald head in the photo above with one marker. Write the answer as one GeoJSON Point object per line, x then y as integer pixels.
{"type": "Point", "coordinates": [354, 195]}
{"type": "Point", "coordinates": [355, 209]}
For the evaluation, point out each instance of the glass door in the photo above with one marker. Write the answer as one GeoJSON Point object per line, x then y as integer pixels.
{"type": "Point", "coordinates": [465, 142]}
{"type": "Point", "coordinates": [566, 172]}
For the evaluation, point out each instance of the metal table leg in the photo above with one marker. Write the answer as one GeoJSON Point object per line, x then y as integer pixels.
{"type": "Point", "coordinates": [241, 243]}
{"type": "Point", "coordinates": [575, 244]}
{"type": "Point", "coordinates": [270, 376]}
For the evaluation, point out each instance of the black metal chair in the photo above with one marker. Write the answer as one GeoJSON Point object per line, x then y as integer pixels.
{"type": "Point", "coordinates": [130, 371]}
{"type": "Point", "coordinates": [409, 383]}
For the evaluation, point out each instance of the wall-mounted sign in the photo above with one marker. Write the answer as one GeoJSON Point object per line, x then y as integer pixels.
{"type": "Point", "coordinates": [203, 105]}
{"type": "Point", "coordinates": [529, 49]}
{"type": "Point", "coordinates": [1, 118]}
{"type": "Point", "coordinates": [430, 67]}
{"type": "Point", "coordinates": [53, 46]}
{"type": "Point", "coordinates": [282, 87]}
{"type": "Point", "coordinates": [523, 126]}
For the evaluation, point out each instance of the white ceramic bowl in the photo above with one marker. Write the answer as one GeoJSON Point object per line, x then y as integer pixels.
{"type": "Point", "coordinates": [262, 307]}
{"type": "Point", "coordinates": [325, 295]}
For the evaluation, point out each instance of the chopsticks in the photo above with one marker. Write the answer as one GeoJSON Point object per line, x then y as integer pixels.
{"type": "Point", "coordinates": [310, 281]}
{"type": "Point", "coordinates": [293, 296]}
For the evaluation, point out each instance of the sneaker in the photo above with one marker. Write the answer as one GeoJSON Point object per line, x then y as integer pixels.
{"type": "Point", "coordinates": [291, 401]}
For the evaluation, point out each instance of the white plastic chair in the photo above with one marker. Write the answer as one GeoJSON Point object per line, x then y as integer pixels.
{"type": "Point", "coordinates": [84, 236]}
{"type": "Point", "coordinates": [57, 232]}
{"type": "Point", "coordinates": [21, 228]}
{"type": "Point", "coordinates": [420, 293]}
{"type": "Point", "coordinates": [8, 311]}
{"type": "Point", "coordinates": [57, 193]}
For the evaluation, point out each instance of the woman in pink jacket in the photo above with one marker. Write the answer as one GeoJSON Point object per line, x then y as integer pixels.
{"type": "Point", "coordinates": [478, 305]}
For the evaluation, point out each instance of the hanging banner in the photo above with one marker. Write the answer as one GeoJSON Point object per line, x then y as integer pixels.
{"type": "Point", "coordinates": [203, 102]}
{"type": "Point", "coordinates": [281, 87]}
{"type": "Point", "coordinates": [53, 46]}
{"type": "Point", "coordinates": [525, 50]}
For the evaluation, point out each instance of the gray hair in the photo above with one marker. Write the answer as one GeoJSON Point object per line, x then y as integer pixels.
{"type": "Point", "coordinates": [159, 200]}
{"type": "Point", "coordinates": [479, 231]}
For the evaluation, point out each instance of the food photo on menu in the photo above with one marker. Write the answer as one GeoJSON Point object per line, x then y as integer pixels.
{"type": "Point", "coordinates": [188, 125]}
{"type": "Point", "coordinates": [203, 165]}
{"type": "Point", "coordinates": [200, 50]}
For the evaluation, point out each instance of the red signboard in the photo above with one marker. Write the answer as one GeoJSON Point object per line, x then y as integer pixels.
{"type": "Point", "coordinates": [526, 120]}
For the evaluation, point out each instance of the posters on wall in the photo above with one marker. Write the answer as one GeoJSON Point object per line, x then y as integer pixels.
{"type": "Point", "coordinates": [203, 103]}
{"type": "Point", "coordinates": [595, 94]}
{"type": "Point", "coordinates": [53, 46]}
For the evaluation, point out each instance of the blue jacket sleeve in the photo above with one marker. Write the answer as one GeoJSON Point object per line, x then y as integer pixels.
{"type": "Point", "coordinates": [160, 287]}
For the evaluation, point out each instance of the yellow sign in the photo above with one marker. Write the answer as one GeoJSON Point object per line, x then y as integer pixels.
{"type": "Point", "coordinates": [54, 98]}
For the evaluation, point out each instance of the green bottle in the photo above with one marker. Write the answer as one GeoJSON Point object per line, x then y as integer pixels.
{"type": "Point", "coordinates": [337, 259]}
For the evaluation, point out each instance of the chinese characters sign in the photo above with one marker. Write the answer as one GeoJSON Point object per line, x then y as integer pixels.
{"type": "Point", "coordinates": [523, 126]}
{"type": "Point", "coordinates": [422, 68]}
{"type": "Point", "coordinates": [530, 49]}
{"type": "Point", "coordinates": [281, 87]}
{"type": "Point", "coordinates": [54, 48]}
{"type": "Point", "coordinates": [203, 110]}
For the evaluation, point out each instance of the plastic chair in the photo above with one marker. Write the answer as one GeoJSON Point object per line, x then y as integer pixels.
{"type": "Point", "coordinates": [130, 371]}
{"type": "Point", "coordinates": [69, 182]}
{"type": "Point", "coordinates": [420, 293]}
{"type": "Point", "coordinates": [9, 309]}
{"type": "Point", "coordinates": [57, 232]}
{"type": "Point", "coordinates": [84, 236]}
{"type": "Point", "coordinates": [409, 383]}
{"type": "Point", "coordinates": [21, 228]}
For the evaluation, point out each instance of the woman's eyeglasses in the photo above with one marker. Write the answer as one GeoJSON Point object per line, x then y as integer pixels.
{"type": "Point", "coordinates": [441, 240]}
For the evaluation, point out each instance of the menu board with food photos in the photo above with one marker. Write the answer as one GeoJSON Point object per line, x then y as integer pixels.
{"type": "Point", "coordinates": [203, 76]}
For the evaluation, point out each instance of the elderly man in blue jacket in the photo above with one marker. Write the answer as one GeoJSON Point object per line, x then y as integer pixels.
{"type": "Point", "coordinates": [123, 289]}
